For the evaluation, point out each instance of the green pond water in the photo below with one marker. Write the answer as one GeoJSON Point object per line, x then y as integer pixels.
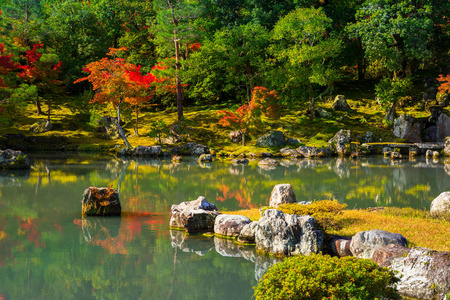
{"type": "Point", "coordinates": [48, 251]}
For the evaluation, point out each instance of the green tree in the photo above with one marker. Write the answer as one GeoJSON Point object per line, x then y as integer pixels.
{"type": "Point", "coordinates": [174, 23]}
{"type": "Point", "coordinates": [394, 33]}
{"type": "Point", "coordinates": [230, 64]}
{"type": "Point", "coordinates": [76, 34]}
{"type": "Point", "coordinates": [304, 50]}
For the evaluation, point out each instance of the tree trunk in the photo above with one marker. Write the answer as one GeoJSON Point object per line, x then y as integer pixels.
{"type": "Point", "coordinates": [178, 81]}
{"type": "Point", "coordinates": [136, 125]}
{"type": "Point", "coordinates": [243, 137]}
{"type": "Point", "coordinates": [312, 114]}
{"type": "Point", "coordinates": [121, 132]}
{"type": "Point", "coordinates": [38, 106]}
{"type": "Point", "coordinates": [49, 109]}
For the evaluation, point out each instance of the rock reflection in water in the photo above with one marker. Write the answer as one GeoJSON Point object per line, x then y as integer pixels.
{"type": "Point", "coordinates": [98, 229]}
{"type": "Point", "coordinates": [200, 245]}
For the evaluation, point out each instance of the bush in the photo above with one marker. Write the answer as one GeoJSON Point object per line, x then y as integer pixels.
{"type": "Point", "coordinates": [316, 207]}
{"type": "Point", "coordinates": [326, 212]}
{"type": "Point", "coordinates": [323, 277]}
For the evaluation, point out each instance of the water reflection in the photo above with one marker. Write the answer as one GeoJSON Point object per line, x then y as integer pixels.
{"type": "Point", "coordinates": [200, 245]}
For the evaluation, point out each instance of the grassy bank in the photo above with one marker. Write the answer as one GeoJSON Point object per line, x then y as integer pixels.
{"type": "Point", "coordinates": [201, 123]}
{"type": "Point", "coordinates": [415, 225]}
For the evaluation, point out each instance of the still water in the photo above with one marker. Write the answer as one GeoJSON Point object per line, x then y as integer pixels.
{"type": "Point", "coordinates": [47, 251]}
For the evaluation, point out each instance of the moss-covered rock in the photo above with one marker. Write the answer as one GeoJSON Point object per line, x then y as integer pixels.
{"type": "Point", "coordinates": [13, 160]}
{"type": "Point", "coordinates": [101, 202]}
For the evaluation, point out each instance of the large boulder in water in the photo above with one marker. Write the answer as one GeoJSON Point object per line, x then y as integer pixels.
{"type": "Point", "coordinates": [284, 235]}
{"type": "Point", "coordinates": [13, 160]}
{"type": "Point", "coordinates": [364, 243]}
{"type": "Point", "coordinates": [194, 216]}
{"type": "Point", "coordinates": [272, 139]}
{"type": "Point", "coordinates": [423, 273]}
{"type": "Point", "coordinates": [101, 202]}
{"type": "Point", "coordinates": [440, 206]}
{"type": "Point", "coordinates": [230, 225]}
{"type": "Point", "coordinates": [282, 194]}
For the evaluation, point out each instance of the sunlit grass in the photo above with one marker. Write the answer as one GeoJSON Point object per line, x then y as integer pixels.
{"type": "Point", "coordinates": [202, 124]}
{"type": "Point", "coordinates": [415, 225]}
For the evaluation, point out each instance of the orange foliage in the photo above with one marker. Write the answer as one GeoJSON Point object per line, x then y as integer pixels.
{"type": "Point", "coordinates": [114, 80]}
{"type": "Point", "coordinates": [445, 84]}
{"type": "Point", "coordinates": [263, 102]}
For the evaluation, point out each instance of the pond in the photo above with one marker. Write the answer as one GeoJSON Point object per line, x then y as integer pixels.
{"type": "Point", "coordinates": [47, 251]}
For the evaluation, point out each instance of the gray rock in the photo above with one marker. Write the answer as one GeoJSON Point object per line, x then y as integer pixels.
{"type": "Point", "coordinates": [288, 152]}
{"type": "Point", "coordinates": [230, 225]}
{"type": "Point", "coordinates": [191, 149]}
{"type": "Point", "coordinates": [101, 202]}
{"type": "Point", "coordinates": [171, 139]}
{"type": "Point", "coordinates": [13, 160]}
{"type": "Point", "coordinates": [423, 273]}
{"type": "Point", "coordinates": [440, 206]}
{"type": "Point", "coordinates": [205, 157]}
{"type": "Point", "coordinates": [284, 235]}
{"type": "Point", "coordinates": [247, 234]}
{"type": "Point", "coordinates": [194, 216]}
{"type": "Point", "coordinates": [384, 255]}
{"type": "Point", "coordinates": [240, 161]}
{"type": "Point", "coordinates": [272, 139]}
{"type": "Point", "coordinates": [429, 153]}
{"type": "Point", "coordinates": [341, 139]}
{"type": "Point", "coordinates": [307, 151]}
{"type": "Point", "coordinates": [147, 151]}
{"type": "Point", "coordinates": [369, 137]}
{"type": "Point", "coordinates": [408, 128]}
{"type": "Point", "coordinates": [364, 243]}
{"type": "Point", "coordinates": [268, 162]}
{"type": "Point", "coordinates": [236, 136]}
{"type": "Point", "coordinates": [282, 194]}
{"type": "Point", "coordinates": [41, 126]}
{"type": "Point", "coordinates": [340, 104]}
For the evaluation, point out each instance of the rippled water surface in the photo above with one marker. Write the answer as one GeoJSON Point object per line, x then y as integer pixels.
{"type": "Point", "coordinates": [47, 251]}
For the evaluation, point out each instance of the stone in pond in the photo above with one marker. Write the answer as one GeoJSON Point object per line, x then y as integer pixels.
{"type": "Point", "coordinates": [101, 202]}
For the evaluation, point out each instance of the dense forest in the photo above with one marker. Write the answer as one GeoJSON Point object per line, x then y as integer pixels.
{"type": "Point", "coordinates": [184, 53]}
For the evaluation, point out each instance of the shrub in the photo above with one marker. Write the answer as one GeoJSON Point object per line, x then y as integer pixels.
{"type": "Point", "coordinates": [326, 212]}
{"type": "Point", "coordinates": [316, 207]}
{"type": "Point", "coordinates": [323, 277]}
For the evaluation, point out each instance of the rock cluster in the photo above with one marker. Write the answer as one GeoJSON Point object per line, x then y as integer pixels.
{"type": "Point", "coordinates": [13, 160]}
